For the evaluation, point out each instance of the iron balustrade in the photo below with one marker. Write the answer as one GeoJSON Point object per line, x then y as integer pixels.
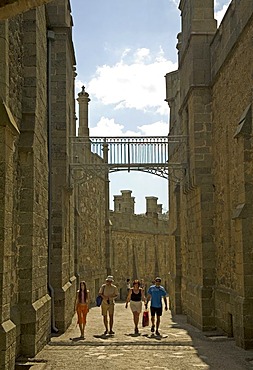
{"type": "Point", "coordinates": [137, 153]}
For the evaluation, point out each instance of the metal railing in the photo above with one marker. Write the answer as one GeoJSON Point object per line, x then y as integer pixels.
{"type": "Point", "coordinates": [140, 153]}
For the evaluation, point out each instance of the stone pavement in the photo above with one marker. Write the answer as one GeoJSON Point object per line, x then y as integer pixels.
{"type": "Point", "coordinates": [180, 346]}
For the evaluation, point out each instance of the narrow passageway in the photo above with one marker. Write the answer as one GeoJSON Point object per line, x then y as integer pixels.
{"type": "Point", "coordinates": [179, 347]}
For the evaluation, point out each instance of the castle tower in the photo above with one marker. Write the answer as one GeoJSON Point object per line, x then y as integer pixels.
{"type": "Point", "coordinates": [124, 203]}
{"type": "Point", "coordinates": [83, 100]}
{"type": "Point", "coordinates": [189, 94]}
{"type": "Point", "coordinates": [151, 207]}
{"type": "Point", "coordinates": [197, 18]}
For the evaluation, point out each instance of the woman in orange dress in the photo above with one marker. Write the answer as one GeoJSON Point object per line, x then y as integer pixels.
{"type": "Point", "coordinates": [82, 306]}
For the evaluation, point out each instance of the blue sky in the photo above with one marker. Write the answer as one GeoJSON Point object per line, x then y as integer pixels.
{"type": "Point", "coordinates": [123, 51]}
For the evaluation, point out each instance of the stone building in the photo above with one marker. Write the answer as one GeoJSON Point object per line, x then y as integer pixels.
{"type": "Point", "coordinates": [142, 241]}
{"type": "Point", "coordinates": [54, 210]}
{"type": "Point", "coordinates": [37, 117]}
{"type": "Point", "coordinates": [211, 211]}
{"type": "Point", "coordinates": [54, 215]}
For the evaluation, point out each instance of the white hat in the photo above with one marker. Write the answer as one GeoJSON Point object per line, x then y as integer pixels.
{"type": "Point", "coordinates": [109, 278]}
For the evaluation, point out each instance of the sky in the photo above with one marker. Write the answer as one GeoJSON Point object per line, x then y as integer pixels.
{"type": "Point", "coordinates": [123, 51]}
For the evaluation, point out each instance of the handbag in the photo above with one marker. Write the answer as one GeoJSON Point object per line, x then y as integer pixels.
{"type": "Point", "coordinates": [99, 299]}
{"type": "Point", "coordinates": [145, 318]}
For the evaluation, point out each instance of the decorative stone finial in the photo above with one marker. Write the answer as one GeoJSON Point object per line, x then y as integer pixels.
{"type": "Point", "coordinates": [83, 92]}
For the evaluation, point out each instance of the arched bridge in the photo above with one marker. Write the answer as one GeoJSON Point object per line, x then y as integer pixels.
{"type": "Point", "coordinates": [137, 153]}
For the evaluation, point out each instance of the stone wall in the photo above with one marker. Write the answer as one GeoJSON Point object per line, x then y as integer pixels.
{"type": "Point", "coordinates": [27, 302]}
{"type": "Point", "coordinates": [11, 8]}
{"type": "Point", "coordinates": [34, 302]}
{"type": "Point", "coordinates": [232, 138]}
{"type": "Point", "coordinates": [61, 127]}
{"type": "Point", "coordinates": [141, 241]}
{"type": "Point", "coordinates": [210, 97]}
{"type": "Point", "coordinates": [189, 96]}
{"type": "Point", "coordinates": [33, 292]}
{"type": "Point", "coordinates": [90, 227]}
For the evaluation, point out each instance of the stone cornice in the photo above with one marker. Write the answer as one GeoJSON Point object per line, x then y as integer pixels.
{"type": "Point", "coordinates": [10, 8]}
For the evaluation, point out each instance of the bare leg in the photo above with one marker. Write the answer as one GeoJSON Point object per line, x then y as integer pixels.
{"type": "Point", "coordinates": [111, 322]}
{"type": "Point", "coordinates": [157, 322]}
{"type": "Point", "coordinates": [81, 325]}
{"type": "Point", "coordinates": [81, 329]}
{"type": "Point", "coordinates": [105, 322]}
{"type": "Point", "coordinates": [136, 319]}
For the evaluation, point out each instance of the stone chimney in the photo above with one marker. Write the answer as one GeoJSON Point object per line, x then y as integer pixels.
{"type": "Point", "coordinates": [124, 203]}
{"type": "Point", "coordinates": [83, 100]}
{"type": "Point", "coordinates": [151, 207]}
{"type": "Point", "coordinates": [159, 208]}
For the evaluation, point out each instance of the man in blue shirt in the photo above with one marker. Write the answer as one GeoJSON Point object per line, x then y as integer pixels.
{"type": "Point", "coordinates": [156, 293]}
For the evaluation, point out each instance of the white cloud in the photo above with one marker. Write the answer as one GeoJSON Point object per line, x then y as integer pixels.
{"type": "Point", "coordinates": [136, 84]}
{"type": "Point", "coordinates": [159, 128]}
{"type": "Point", "coordinates": [220, 9]}
{"type": "Point", "coordinates": [141, 54]}
{"type": "Point", "coordinates": [108, 127]}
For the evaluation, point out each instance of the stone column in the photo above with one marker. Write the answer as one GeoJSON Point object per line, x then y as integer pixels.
{"type": "Point", "coordinates": [83, 100]}
{"type": "Point", "coordinates": [196, 196]}
{"type": "Point", "coordinates": [8, 134]}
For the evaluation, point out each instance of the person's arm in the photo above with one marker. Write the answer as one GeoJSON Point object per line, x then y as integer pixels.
{"type": "Point", "coordinates": [88, 299]}
{"type": "Point", "coordinates": [101, 292]}
{"type": "Point", "coordinates": [165, 303]}
{"type": "Point", "coordinates": [148, 298]}
{"type": "Point", "coordinates": [143, 296]}
{"type": "Point", "coordinates": [128, 297]}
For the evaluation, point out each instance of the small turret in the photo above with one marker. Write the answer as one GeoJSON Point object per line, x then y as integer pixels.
{"type": "Point", "coordinates": [124, 203]}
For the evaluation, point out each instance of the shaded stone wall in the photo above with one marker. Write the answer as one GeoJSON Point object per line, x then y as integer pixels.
{"type": "Point", "coordinates": [34, 302]}
{"type": "Point", "coordinates": [62, 126]}
{"type": "Point", "coordinates": [26, 309]}
{"type": "Point", "coordinates": [9, 188]}
{"type": "Point", "coordinates": [232, 137]}
{"type": "Point", "coordinates": [25, 325]}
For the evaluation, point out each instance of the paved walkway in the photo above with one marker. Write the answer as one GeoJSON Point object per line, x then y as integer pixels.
{"type": "Point", "coordinates": [179, 347]}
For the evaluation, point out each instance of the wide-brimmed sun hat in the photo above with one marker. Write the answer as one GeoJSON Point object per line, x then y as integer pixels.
{"type": "Point", "coordinates": [109, 278]}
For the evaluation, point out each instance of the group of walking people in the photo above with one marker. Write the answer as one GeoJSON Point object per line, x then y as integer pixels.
{"type": "Point", "coordinates": [135, 298]}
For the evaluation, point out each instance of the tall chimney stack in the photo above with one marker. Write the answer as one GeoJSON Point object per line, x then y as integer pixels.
{"type": "Point", "coordinates": [83, 100]}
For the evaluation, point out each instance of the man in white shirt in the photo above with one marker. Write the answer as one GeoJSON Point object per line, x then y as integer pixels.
{"type": "Point", "coordinates": [108, 292]}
